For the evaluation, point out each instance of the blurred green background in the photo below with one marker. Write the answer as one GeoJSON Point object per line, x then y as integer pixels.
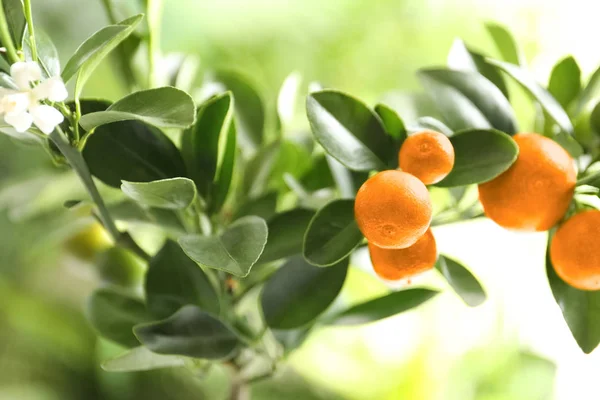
{"type": "Point", "coordinates": [516, 346]}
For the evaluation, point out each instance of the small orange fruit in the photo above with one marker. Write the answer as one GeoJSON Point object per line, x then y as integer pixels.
{"type": "Point", "coordinates": [428, 155]}
{"type": "Point", "coordinates": [575, 253]}
{"type": "Point", "coordinates": [535, 192]}
{"type": "Point", "coordinates": [393, 209]}
{"type": "Point", "coordinates": [394, 264]}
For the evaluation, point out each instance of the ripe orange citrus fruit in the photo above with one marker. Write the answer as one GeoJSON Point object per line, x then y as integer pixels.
{"type": "Point", "coordinates": [535, 192]}
{"type": "Point", "coordinates": [394, 264]}
{"type": "Point", "coordinates": [575, 253]}
{"type": "Point", "coordinates": [393, 209]}
{"type": "Point", "coordinates": [428, 155]}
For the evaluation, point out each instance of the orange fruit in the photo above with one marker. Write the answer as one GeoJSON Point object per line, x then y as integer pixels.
{"type": "Point", "coordinates": [428, 155]}
{"type": "Point", "coordinates": [535, 192]}
{"type": "Point", "coordinates": [575, 253]}
{"type": "Point", "coordinates": [394, 264]}
{"type": "Point", "coordinates": [393, 209]}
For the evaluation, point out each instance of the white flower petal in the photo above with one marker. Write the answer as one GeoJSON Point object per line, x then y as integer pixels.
{"type": "Point", "coordinates": [25, 72]}
{"type": "Point", "coordinates": [46, 118]}
{"type": "Point", "coordinates": [15, 103]}
{"type": "Point", "coordinates": [52, 89]}
{"type": "Point", "coordinates": [21, 122]}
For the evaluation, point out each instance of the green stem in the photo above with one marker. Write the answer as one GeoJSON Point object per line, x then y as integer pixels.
{"type": "Point", "coordinates": [6, 39]}
{"type": "Point", "coordinates": [77, 162]}
{"type": "Point", "coordinates": [154, 14]}
{"type": "Point", "coordinates": [30, 29]}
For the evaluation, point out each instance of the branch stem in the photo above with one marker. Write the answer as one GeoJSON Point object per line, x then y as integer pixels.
{"type": "Point", "coordinates": [6, 39]}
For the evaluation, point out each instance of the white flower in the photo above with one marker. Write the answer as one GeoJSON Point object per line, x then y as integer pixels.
{"type": "Point", "coordinates": [22, 108]}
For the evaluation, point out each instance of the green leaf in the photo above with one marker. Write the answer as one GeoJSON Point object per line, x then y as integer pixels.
{"type": "Point", "coordinates": [165, 107]}
{"type": "Point", "coordinates": [15, 19]}
{"type": "Point", "coordinates": [91, 52]}
{"type": "Point", "coordinates": [592, 179]}
{"type": "Point", "coordinates": [392, 122]}
{"type": "Point", "coordinates": [565, 81]}
{"type": "Point", "coordinates": [462, 58]}
{"type": "Point", "coordinates": [141, 359]}
{"type": "Point", "coordinates": [234, 251]}
{"type": "Point", "coordinates": [172, 194]}
{"type": "Point", "coordinates": [382, 307]}
{"type": "Point", "coordinates": [505, 43]}
{"type": "Point", "coordinates": [200, 143]}
{"type": "Point", "coordinates": [249, 108]}
{"type": "Point", "coordinates": [332, 234]}
{"type": "Point", "coordinates": [225, 169]}
{"type": "Point", "coordinates": [286, 234]}
{"type": "Point", "coordinates": [462, 281]}
{"type": "Point", "coordinates": [433, 124]}
{"type": "Point", "coordinates": [348, 130]}
{"type": "Point", "coordinates": [479, 156]}
{"type": "Point", "coordinates": [548, 103]}
{"type": "Point", "coordinates": [569, 143]}
{"type": "Point", "coordinates": [132, 151]}
{"type": "Point", "coordinates": [46, 51]}
{"type": "Point", "coordinates": [589, 92]}
{"type": "Point", "coordinates": [128, 211]}
{"type": "Point", "coordinates": [258, 170]}
{"type": "Point", "coordinates": [189, 332]}
{"type": "Point", "coordinates": [173, 281]}
{"type": "Point", "coordinates": [595, 118]}
{"type": "Point", "coordinates": [114, 314]}
{"type": "Point", "coordinates": [468, 100]}
{"type": "Point", "coordinates": [299, 292]}
{"type": "Point", "coordinates": [343, 178]}
{"type": "Point", "coordinates": [580, 309]}
{"type": "Point", "coordinates": [263, 207]}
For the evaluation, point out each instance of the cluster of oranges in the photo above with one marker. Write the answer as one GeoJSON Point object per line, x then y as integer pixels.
{"type": "Point", "coordinates": [393, 208]}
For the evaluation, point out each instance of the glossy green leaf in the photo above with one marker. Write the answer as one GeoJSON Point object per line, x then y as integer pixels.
{"type": "Point", "coordinates": [189, 332]}
{"type": "Point", "coordinates": [173, 281]}
{"type": "Point", "coordinates": [433, 124]}
{"type": "Point", "coordinates": [128, 211]}
{"type": "Point", "coordinates": [286, 234]}
{"type": "Point", "coordinates": [332, 234]}
{"type": "Point", "coordinates": [580, 309]}
{"type": "Point", "coordinates": [393, 124]}
{"type": "Point", "coordinates": [225, 170]}
{"type": "Point", "coordinates": [591, 179]}
{"type": "Point", "coordinates": [479, 156]}
{"type": "Point", "coordinates": [299, 292]}
{"type": "Point", "coordinates": [165, 107]}
{"type": "Point", "coordinates": [132, 151]}
{"type": "Point", "coordinates": [565, 81]}
{"type": "Point", "coordinates": [249, 107]}
{"type": "Point", "coordinates": [468, 100]}
{"type": "Point", "coordinates": [15, 19]}
{"type": "Point", "coordinates": [462, 281]}
{"type": "Point", "coordinates": [293, 159]}
{"type": "Point", "coordinates": [258, 170]}
{"type": "Point", "coordinates": [348, 130]}
{"type": "Point", "coordinates": [343, 178]}
{"type": "Point", "coordinates": [569, 143]}
{"type": "Point", "coordinates": [91, 52]}
{"type": "Point", "coordinates": [200, 143]}
{"type": "Point", "coordinates": [595, 118]}
{"type": "Point", "coordinates": [114, 314]}
{"type": "Point", "coordinates": [465, 59]}
{"type": "Point", "coordinates": [546, 100]}
{"type": "Point", "coordinates": [589, 92]}
{"type": "Point", "coordinates": [46, 51]}
{"type": "Point", "coordinates": [234, 251]}
{"type": "Point", "coordinates": [263, 207]}
{"type": "Point", "coordinates": [382, 307]}
{"type": "Point", "coordinates": [173, 193]}
{"type": "Point", "coordinates": [505, 43]}
{"type": "Point", "coordinates": [141, 359]}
